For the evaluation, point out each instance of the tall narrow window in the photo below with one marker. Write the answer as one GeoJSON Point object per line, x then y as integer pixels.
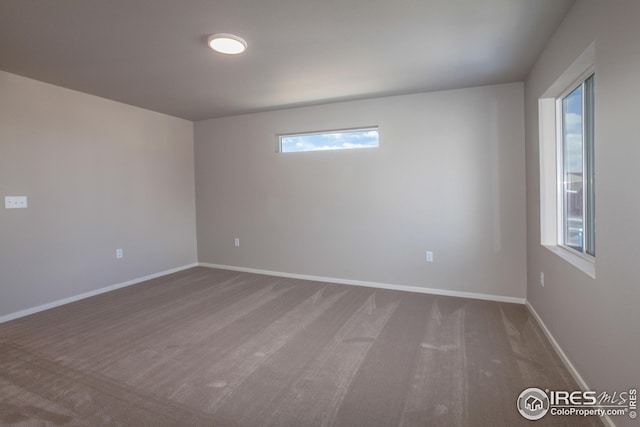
{"type": "Point", "coordinates": [576, 168]}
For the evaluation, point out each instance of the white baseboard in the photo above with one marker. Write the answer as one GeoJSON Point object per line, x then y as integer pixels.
{"type": "Point", "coordinates": [572, 369]}
{"type": "Point", "coordinates": [32, 310]}
{"type": "Point", "coordinates": [418, 289]}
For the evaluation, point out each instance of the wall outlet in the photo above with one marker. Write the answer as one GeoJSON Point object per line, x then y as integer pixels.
{"type": "Point", "coordinates": [236, 242]}
{"type": "Point", "coordinates": [15, 202]}
{"type": "Point", "coordinates": [119, 253]}
{"type": "Point", "coordinates": [542, 279]}
{"type": "Point", "coordinates": [429, 256]}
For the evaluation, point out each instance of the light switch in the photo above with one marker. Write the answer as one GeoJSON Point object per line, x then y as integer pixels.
{"type": "Point", "coordinates": [15, 202]}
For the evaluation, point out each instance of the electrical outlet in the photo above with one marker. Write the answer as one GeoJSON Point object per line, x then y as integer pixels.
{"type": "Point", "coordinates": [15, 202]}
{"type": "Point", "coordinates": [236, 242]}
{"type": "Point", "coordinates": [429, 256]}
{"type": "Point", "coordinates": [119, 253]}
{"type": "Point", "coordinates": [542, 279]}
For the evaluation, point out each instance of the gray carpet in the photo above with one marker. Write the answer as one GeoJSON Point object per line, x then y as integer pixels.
{"type": "Point", "coordinates": [207, 347]}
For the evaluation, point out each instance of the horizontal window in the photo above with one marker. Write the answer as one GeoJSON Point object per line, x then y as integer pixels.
{"type": "Point", "coordinates": [329, 140]}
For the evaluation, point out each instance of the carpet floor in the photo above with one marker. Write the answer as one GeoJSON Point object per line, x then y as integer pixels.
{"type": "Point", "coordinates": [206, 347]}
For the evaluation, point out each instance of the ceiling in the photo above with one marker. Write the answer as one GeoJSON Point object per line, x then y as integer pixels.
{"type": "Point", "coordinates": [153, 53]}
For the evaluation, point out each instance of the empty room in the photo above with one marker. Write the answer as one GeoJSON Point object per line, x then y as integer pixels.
{"type": "Point", "coordinates": [319, 213]}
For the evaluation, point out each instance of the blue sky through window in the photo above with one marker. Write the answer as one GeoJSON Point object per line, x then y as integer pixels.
{"type": "Point", "coordinates": [332, 140]}
{"type": "Point", "coordinates": [572, 128]}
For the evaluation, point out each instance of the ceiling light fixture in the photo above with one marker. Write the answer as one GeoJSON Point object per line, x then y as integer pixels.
{"type": "Point", "coordinates": [227, 43]}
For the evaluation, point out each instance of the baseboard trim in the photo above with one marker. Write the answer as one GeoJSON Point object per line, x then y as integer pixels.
{"type": "Point", "coordinates": [563, 356]}
{"type": "Point", "coordinates": [32, 310]}
{"type": "Point", "coordinates": [406, 288]}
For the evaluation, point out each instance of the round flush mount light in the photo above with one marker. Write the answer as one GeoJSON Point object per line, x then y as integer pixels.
{"type": "Point", "coordinates": [227, 43]}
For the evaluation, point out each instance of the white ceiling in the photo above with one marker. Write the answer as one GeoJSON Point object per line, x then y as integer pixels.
{"type": "Point", "coordinates": [153, 53]}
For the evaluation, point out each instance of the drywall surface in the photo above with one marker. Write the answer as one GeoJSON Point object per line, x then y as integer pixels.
{"type": "Point", "coordinates": [595, 321]}
{"type": "Point", "coordinates": [448, 177]}
{"type": "Point", "coordinates": [99, 175]}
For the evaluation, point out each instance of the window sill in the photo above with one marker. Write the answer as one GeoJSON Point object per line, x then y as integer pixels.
{"type": "Point", "coordinates": [585, 265]}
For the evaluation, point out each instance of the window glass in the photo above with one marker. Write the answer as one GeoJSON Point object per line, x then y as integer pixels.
{"type": "Point", "coordinates": [577, 186]}
{"type": "Point", "coordinates": [572, 169]}
{"type": "Point", "coordinates": [329, 140]}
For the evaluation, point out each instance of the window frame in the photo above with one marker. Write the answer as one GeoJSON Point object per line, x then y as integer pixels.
{"type": "Point", "coordinates": [280, 136]}
{"type": "Point", "coordinates": [581, 67]}
{"type": "Point", "coordinates": [588, 188]}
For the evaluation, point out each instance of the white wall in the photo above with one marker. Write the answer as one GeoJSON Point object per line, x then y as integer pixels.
{"type": "Point", "coordinates": [99, 175]}
{"type": "Point", "coordinates": [448, 176]}
{"type": "Point", "coordinates": [596, 320]}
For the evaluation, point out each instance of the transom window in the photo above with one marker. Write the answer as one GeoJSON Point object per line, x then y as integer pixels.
{"type": "Point", "coordinates": [329, 140]}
